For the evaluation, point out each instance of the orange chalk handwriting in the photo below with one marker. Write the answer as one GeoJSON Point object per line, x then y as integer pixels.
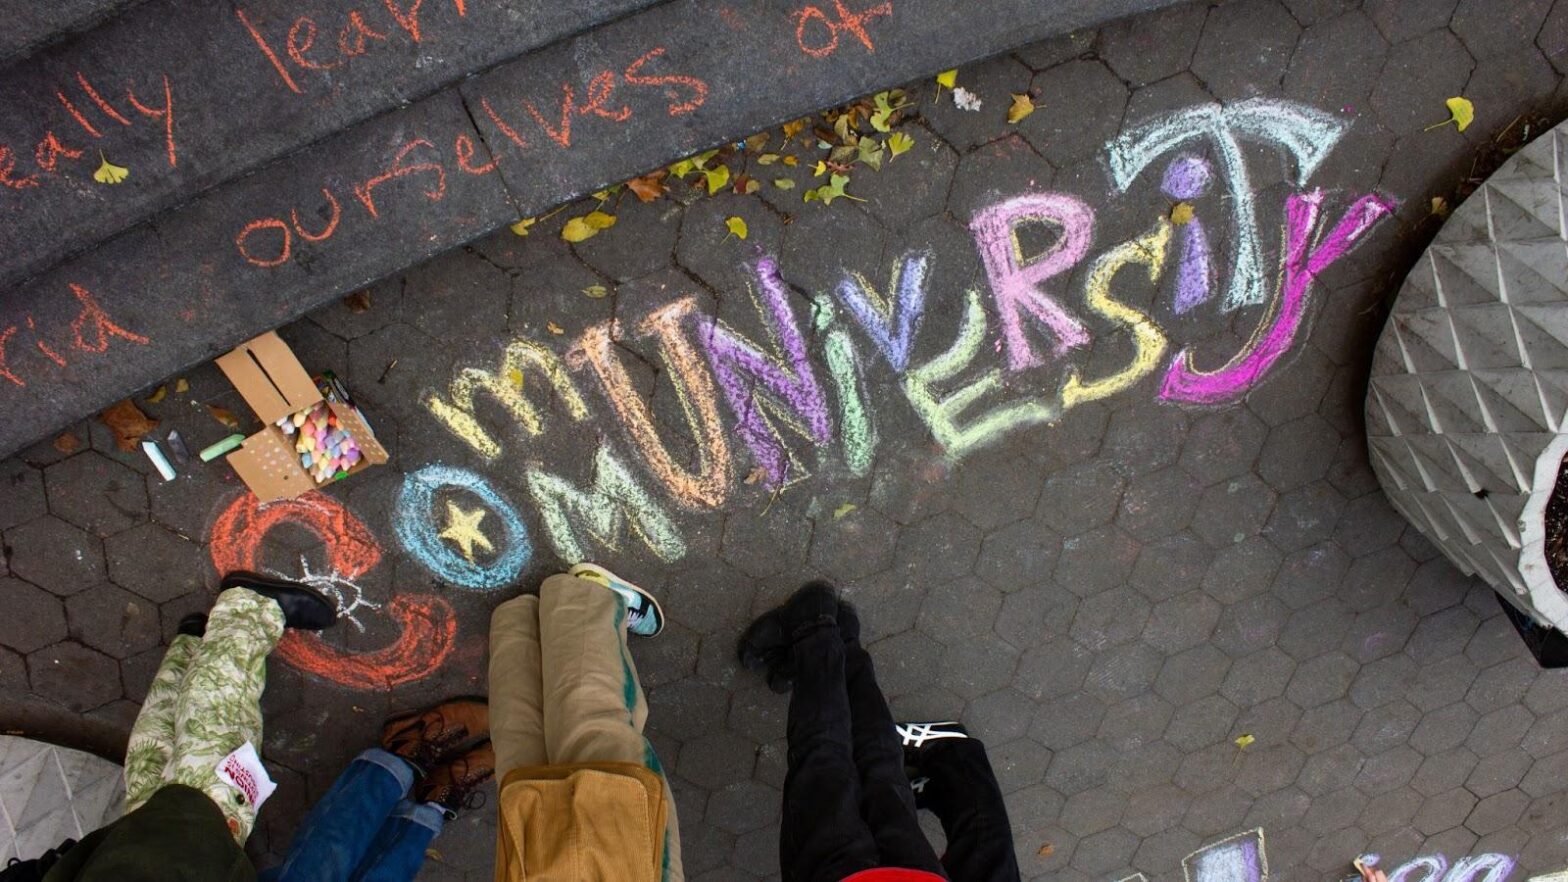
{"type": "Point", "coordinates": [562, 134]}
{"type": "Point", "coordinates": [261, 41]}
{"type": "Point", "coordinates": [8, 171]}
{"type": "Point", "coordinates": [5, 371]}
{"type": "Point", "coordinates": [166, 113]}
{"type": "Point", "coordinates": [679, 104]}
{"type": "Point", "coordinates": [302, 36]}
{"type": "Point", "coordinates": [366, 191]}
{"type": "Point", "coordinates": [49, 150]}
{"type": "Point", "coordinates": [256, 226]}
{"type": "Point", "coordinates": [332, 220]}
{"type": "Point", "coordinates": [811, 23]}
{"type": "Point", "coordinates": [102, 327]}
{"type": "Point", "coordinates": [106, 107]}
{"type": "Point", "coordinates": [360, 32]}
{"type": "Point", "coordinates": [43, 347]}
{"type": "Point", "coordinates": [463, 146]}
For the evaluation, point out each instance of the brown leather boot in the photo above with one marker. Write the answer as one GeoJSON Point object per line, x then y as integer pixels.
{"type": "Point", "coordinates": [426, 737]}
{"type": "Point", "coordinates": [453, 785]}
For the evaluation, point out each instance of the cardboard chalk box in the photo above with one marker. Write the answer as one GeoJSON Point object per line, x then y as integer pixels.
{"type": "Point", "coordinates": [275, 385]}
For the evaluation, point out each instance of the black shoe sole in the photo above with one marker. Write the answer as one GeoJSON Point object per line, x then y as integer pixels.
{"type": "Point", "coordinates": [304, 608]}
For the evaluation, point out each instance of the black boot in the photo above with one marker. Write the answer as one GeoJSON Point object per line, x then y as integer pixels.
{"type": "Point", "coordinates": [304, 608]}
{"type": "Point", "coordinates": [193, 625]}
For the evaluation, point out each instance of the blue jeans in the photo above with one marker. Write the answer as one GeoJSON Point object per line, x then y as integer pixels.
{"type": "Point", "coordinates": [365, 829]}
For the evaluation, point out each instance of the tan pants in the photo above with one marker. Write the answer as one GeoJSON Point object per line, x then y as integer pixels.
{"type": "Point", "coordinates": [564, 689]}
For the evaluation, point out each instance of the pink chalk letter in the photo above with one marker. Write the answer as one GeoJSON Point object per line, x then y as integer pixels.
{"type": "Point", "coordinates": [1016, 281]}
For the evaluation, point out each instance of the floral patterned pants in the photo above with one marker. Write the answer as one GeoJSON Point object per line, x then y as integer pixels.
{"type": "Point", "coordinates": [205, 703]}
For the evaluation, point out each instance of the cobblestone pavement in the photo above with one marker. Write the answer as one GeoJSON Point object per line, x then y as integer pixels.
{"type": "Point", "coordinates": [1107, 585]}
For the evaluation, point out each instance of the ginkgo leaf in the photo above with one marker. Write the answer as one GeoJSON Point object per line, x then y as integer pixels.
{"type": "Point", "coordinates": [1181, 213]}
{"type": "Point", "coordinates": [887, 103]}
{"type": "Point", "coordinates": [599, 220]}
{"type": "Point", "coordinates": [795, 127]}
{"type": "Point", "coordinates": [521, 227]}
{"type": "Point", "coordinates": [784, 183]}
{"type": "Point", "coordinates": [554, 328]}
{"type": "Point", "coordinates": [109, 173]}
{"type": "Point", "coordinates": [767, 159]}
{"type": "Point", "coordinates": [597, 292]}
{"type": "Point", "coordinates": [1244, 740]}
{"type": "Point", "coordinates": [158, 396]}
{"type": "Point", "coordinates": [181, 386]}
{"type": "Point", "coordinates": [717, 178]}
{"type": "Point", "coordinates": [870, 152]}
{"type": "Point", "coordinates": [898, 143]}
{"type": "Point", "coordinates": [577, 230]}
{"type": "Point", "coordinates": [948, 78]}
{"type": "Point", "coordinates": [737, 227]}
{"type": "Point", "coordinates": [843, 510]}
{"type": "Point", "coordinates": [682, 168]}
{"type": "Point", "coordinates": [1461, 113]}
{"type": "Point", "coordinates": [1022, 106]}
{"type": "Point", "coordinates": [820, 169]}
{"type": "Point", "coordinates": [791, 161]}
{"type": "Point", "coordinates": [756, 142]}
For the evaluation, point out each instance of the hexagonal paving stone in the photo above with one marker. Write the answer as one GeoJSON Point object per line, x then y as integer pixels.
{"type": "Point", "coordinates": [96, 493]}
{"type": "Point", "coordinates": [72, 674]}
{"type": "Point", "coordinates": [23, 496]}
{"type": "Point", "coordinates": [34, 618]}
{"type": "Point", "coordinates": [113, 621]}
{"type": "Point", "coordinates": [55, 555]}
{"type": "Point", "coordinates": [155, 563]}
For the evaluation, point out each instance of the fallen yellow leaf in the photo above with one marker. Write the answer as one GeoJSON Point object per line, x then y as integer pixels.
{"type": "Point", "coordinates": [767, 159]}
{"type": "Point", "coordinates": [599, 220]}
{"type": "Point", "coordinates": [948, 78]}
{"type": "Point", "coordinates": [596, 291]}
{"type": "Point", "coordinates": [791, 161]}
{"type": "Point", "coordinates": [554, 328]}
{"type": "Point", "coordinates": [162, 393]}
{"type": "Point", "coordinates": [1244, 740]}
{"type": "Point", "coordinates": [1440, 206]}
{"type": "Point", "coordinates": [1022, 106]}
{"type": "Point", "coordinates": [1046, 850]}
{"type": "Point", "coordinates": [578, 229]}
{"type": "Point", "coordinates": [1181, 213]}
{"type": "Point", "coordinates": [795, 127]}
{"type": "Point", "coordinates": [899, 143]}
{"type": "Point", "coordinates": [843, 510]}
{"type": "Point", "coordinates": [109, 173]}
{"type": "Point", "coordinates": [521, 227]}
{"type": "Point", "coordinates": [717, 178]}
{"type": "Point", "coordinates": [784, 183]}
{"type": "Point", "coordinates": [1461, 112]}
{"type": "Point", "coordinates": [737, 227]}
{"type": "Point", "coordinates": [182, 385]}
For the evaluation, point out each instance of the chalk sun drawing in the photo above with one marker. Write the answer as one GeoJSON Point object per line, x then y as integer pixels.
{"type": "Point", "coordinates": [414, 525]}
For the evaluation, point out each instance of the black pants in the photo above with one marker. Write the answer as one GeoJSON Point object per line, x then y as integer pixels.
{"type": "Point", "coordinates": [962, 791]}
{"type": "Point", "coordinates": [847, 802]}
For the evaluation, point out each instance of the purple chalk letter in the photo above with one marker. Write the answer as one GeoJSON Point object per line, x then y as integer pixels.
{"type": "Point", "coordinates": [744, 369]}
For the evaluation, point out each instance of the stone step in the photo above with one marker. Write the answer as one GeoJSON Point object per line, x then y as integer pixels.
{"type": "Point", "coordinates": [31, 24]}
{"type": "Point", "coordinates": [189, 95]}
{"type": "Point", "coordinates": [250, 253]}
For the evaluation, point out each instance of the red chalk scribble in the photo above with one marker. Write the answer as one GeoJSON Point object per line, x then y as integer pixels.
{"type": "Point", "coordinates": [366, 191]}
{"type": "Point", "coordinates": [255, 226]}
{"type": "Point", "coordinates": [103, 327]}
{"type": "Point", "coordinates": [427, 624]}
{"type": "Point", "coordinates": [277, 63]}
{"type": "Point", "coordinates": [166, 112]}
{"type": "Point", "coordinates": [853, 23]}
{"type": "Point", "coordinates": [49, 150]}
{"type": "Point", "coordinates": [332, 222]}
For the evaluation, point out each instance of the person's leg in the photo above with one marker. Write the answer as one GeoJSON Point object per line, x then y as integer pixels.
{"type": "Point", "coordinates": [399, 848]}
{"type": "Point", "coordinates": [151, 745]}
{"type": "Point", "coordinates": [219, 708]}
{"type": "Point", "coordinates": [822, 837]}
{"type": "Point", "coordinates": [962, 790]}
{"type": "Point", "coordinates": [886, 802]}
{"type": "Point", "coordinates": [594, 705]}
{"type": "Point", "coordinates": [337, 835]}
{"type": "Point", "coordinates": [516, 686]}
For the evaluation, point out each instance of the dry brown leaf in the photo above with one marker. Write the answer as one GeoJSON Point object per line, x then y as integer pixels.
{"type": "Point", "coordinates": [128, 423]}
{"type": "Point", "coordinates": [554, 328]}
{"type": "Point", "coordinates": [357, 302]}
{"type": "Point", "coordinates": [68, 443]}
{"type": "Point", "coordinates": [649, 187]}
{"type": "Point", "coordinates": [181, 386]}
{"type": "Point", "coordinates": [224, 416]}
{"type": "Point", "coordinates": [755, 475]}
{"type": "Point", "coordinates": [1046, 850]}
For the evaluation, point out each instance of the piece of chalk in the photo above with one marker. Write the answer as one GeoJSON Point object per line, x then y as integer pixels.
{"type": "Point", "coordinates": [159, 461]}
{"type": "Point", "coordinates": [211, 453]}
